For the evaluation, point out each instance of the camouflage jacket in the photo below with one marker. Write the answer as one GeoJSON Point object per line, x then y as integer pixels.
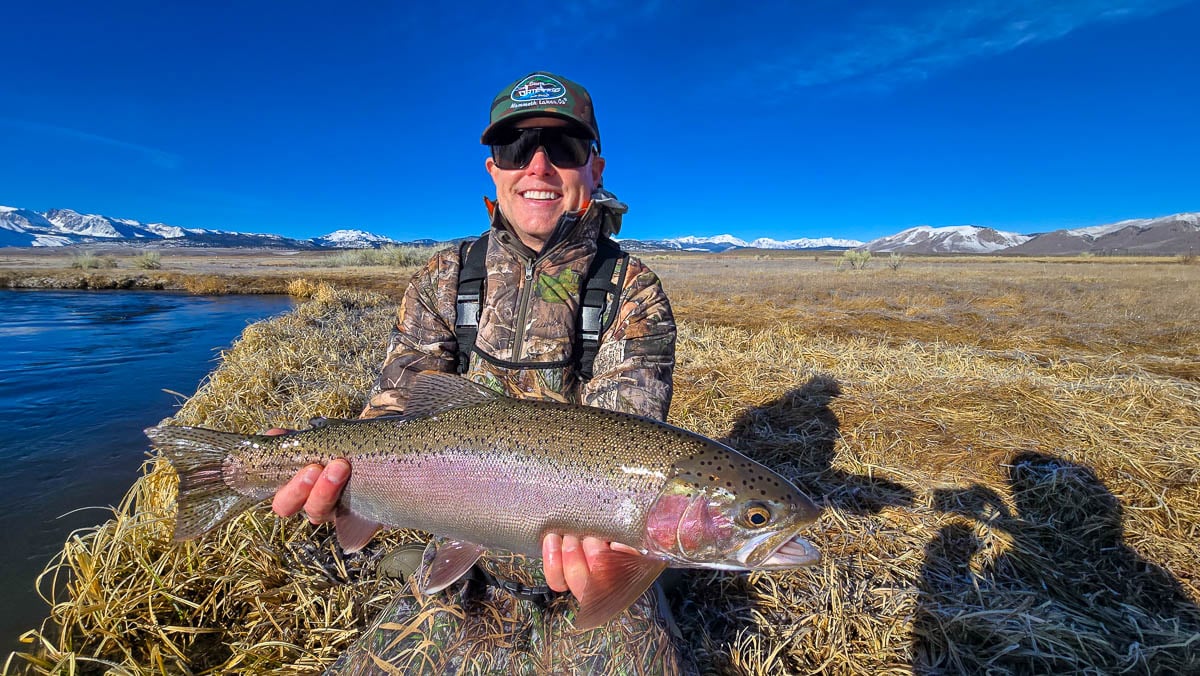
{"type": "Point", "coordinates": [527, 326]}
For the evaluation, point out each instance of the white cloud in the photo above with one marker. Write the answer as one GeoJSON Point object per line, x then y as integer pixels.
{"type": "Point", "coordinates": [883, 48]}
{"type": "Point", "coordinates": [160, 157]}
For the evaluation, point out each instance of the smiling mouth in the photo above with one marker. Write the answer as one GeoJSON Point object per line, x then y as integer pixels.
{"type": "Point", "coordinates": [540, 195]}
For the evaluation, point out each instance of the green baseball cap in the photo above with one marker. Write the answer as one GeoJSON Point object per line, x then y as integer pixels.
{"type": "Point", "coordinates": [542, 94]}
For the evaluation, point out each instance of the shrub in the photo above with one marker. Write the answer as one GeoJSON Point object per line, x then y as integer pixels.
{"type": "Point", "coordinates": [90, 261]}
{"type": "Point", "coordinates": [395, 256]}
{"type": "Point", "coordinates": [895, 261]}
{"type": "Point", "coordinates": [854, 259]}
{"type": "Point", "coordinates": [151, 260]}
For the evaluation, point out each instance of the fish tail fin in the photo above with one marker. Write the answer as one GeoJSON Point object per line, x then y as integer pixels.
{"type": "Point", "coordinates": [205, 501]}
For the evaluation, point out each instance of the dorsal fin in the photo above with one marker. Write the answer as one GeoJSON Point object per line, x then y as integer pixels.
{"type": "Point", "coordinates": [433, 392]}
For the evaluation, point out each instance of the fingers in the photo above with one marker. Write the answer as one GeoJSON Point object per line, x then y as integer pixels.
{"type": "Point", "coordinates": [314, 489]}
{"type": "Point", "coordinates": [326, 491]}
{"type": "Point", "coordinates": [593, 547]}
{"type": "Point", "coordinates": [552, 563]}
{"type": "Point", "coordinates": [290, 499]}
{"type": "Point", "coordinates": [574, 563]}
{"type": "Point", "coordinates": [567, 561]}
{"type": "Point", "coordinates": [617, 546]}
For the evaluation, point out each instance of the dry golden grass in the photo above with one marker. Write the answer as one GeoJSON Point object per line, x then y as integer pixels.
{"type": "Point", "coordinates": [1008, 453]}
{"type": "Point", "coordinates": [198, 271]}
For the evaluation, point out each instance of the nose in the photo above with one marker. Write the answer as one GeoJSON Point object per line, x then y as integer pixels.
{"type": "Point", "coordinates": [539, 164]}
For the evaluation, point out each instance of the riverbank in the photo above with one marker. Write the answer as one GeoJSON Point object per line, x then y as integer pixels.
{"type": "Point", "coordinates": [1006, 451]}
{"type": "Point", "coordinates": [196, 271]}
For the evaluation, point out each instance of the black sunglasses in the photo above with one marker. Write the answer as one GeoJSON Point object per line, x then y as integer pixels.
{"type": "Point", "coordinates": [565, 148]}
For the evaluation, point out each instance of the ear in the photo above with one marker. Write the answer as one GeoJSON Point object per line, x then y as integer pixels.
{"type": "Point", "coordinates": [597, 171]}
{"type": "Point", "coordinates": [492, 171]}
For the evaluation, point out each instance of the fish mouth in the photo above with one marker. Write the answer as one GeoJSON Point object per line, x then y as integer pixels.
{"type": "Point", "coordinates": [792, 554]}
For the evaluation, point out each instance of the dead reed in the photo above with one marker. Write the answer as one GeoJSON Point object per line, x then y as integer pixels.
{"type": "Point", "coordinates": [1008, 455]}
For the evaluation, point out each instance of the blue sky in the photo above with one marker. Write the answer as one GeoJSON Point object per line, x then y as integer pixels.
{"type": "Point", "coordinates": [766, 119]}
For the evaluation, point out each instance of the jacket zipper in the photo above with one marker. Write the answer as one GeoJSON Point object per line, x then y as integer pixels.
{"type": "Point", "coordinates": [527, 290]}
{"type": "Point", "coordinates": [522, 310]}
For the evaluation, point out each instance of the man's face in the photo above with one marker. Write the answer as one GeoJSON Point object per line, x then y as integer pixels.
{"type": "Point", "coordinates": [533, 198]}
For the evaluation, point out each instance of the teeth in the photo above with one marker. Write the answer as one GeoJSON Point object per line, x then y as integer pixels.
{"type": "Point", "coordinates": [539, 195]}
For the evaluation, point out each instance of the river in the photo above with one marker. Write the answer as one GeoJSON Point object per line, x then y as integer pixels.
{"type": "Point", "coordinates": [81, 374]}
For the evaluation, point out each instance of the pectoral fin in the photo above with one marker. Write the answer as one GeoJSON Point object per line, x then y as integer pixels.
{"type": "Point", "coordinates": [353, 531]}
{"type": "Point", "coordinates": [617, 579]}
{"type": "Point", "coordinates": [451, 561]}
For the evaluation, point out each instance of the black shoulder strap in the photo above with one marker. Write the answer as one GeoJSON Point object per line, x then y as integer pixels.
{"type": "Point", "coordinates": [472, 274]}
{"type": "Point", "coordinates": [597, 307]}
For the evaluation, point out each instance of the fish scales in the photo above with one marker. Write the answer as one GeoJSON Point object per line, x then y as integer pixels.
{"type": "Point", "coordinates": [487, 471]}
{"type": "Point", "coordinates": [554, 467]}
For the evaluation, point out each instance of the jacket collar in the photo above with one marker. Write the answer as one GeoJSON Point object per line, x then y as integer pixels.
{"type": "Point", "coordinates": [579, 227]}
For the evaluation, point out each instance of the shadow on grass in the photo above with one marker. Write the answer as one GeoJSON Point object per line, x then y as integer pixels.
{"type": "Point", "coordinates": [795, 435]}
{"type": "Point", "coordinates": [1066, 596]}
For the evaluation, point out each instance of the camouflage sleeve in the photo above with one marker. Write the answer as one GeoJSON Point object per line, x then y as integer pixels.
{"type": "Point", "coordinates": [632, 371]}
{"type": "Point", "coordinates": [423, 337]}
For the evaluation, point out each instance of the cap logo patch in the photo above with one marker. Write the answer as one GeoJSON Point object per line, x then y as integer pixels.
{"type": "Point", "coordinates": [537, 88]}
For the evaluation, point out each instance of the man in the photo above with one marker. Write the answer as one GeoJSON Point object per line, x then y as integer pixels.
{"type": "Point", "coordinates": [547, 221]}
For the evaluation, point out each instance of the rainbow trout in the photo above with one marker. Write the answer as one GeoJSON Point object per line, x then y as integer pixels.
{"type": "Point", "coordinates": [488, 471]}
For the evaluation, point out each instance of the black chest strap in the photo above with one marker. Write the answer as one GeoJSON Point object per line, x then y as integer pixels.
{"type": "Point", "coordinates": [472, 276]}
{"type": "Point", "coordinates": [597, 306]}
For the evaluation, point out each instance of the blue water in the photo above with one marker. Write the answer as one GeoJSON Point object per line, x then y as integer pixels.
{"type": "Point", "coordinates": [81, 374]}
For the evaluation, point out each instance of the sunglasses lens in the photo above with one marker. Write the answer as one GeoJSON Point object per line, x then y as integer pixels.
{"type": "Point", "coordinates": [516, 151]}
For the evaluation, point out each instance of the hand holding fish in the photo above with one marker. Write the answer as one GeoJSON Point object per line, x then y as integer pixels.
{"type": "Point", "coordinates": [568, 560]}
{"type": "Point", "coordinates": [519, 474]}
{"type": "Point", "coordinates": [316, 489]}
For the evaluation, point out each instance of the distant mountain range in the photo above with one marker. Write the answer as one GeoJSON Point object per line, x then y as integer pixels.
{"type": "Point", "coordinates": [721, 243]}
{"type": "Point", "coordinates": [951, 239]}
{"type": "Point", "coordinates": [63, 227]}
{"type": "Point", "coordinates": [1176, 234]}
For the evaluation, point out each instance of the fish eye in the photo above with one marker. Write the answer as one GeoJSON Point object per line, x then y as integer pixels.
{"type": "Point", "coordinates": [756, 515]}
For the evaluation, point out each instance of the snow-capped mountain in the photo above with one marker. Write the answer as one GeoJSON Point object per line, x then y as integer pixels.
{"type": "Point", "coordinates": [62, 227]}
{"type": "Point", "coordinates": [19, 227]}
{"type": "Point", "coordinates": [950, 239]}
{"type": "Point", "coordinates": [1096, 231]}
{"type": "Point", "coordinates": [1165, 235]}
{"type": "Point", "coordinates": [352, 239]}
{"type": "Point", "coordinates": [720, 243]}
{"type": "Point", "coordinates": [94, 225]}
{"type": "Point", "coordinates": [1174, 234]}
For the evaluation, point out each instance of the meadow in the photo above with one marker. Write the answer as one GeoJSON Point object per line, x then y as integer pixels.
{"type": "Point", "coordinates": [1007, 451]}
